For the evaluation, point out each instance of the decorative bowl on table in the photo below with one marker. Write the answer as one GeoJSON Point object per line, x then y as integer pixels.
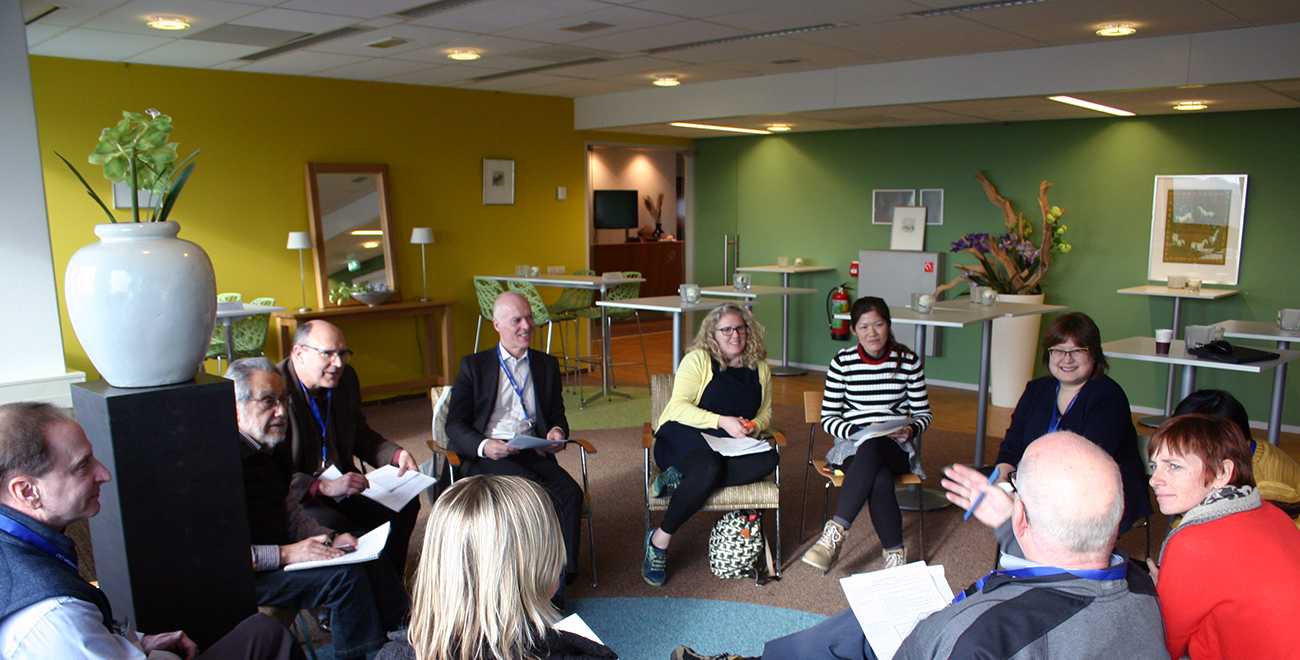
{"type": "Point", "coordinates": [373, 298]}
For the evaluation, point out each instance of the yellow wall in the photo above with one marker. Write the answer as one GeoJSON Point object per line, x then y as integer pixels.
{"type": "Point", "coordinates": [247, 192]}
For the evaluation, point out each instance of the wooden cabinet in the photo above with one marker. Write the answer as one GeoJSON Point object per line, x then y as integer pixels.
{"type": "Point", "coordinates": [662, 264]}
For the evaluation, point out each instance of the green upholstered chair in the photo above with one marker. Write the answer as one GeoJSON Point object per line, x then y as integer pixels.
{"type": "Point", "coordinates": [571, 300]}
{"type": "Point", "coordinates": [487, 289]}
{"type": "Point", "coordinates": [625, 291]}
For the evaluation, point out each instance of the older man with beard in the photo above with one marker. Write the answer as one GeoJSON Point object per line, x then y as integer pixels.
{"type": "Point", "coordinates": [366, 599]}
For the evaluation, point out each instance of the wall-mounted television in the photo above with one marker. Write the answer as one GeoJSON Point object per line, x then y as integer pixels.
{"type": "Point", "coordinates": [616, 209]}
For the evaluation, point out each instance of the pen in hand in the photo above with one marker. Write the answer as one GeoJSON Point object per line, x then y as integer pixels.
{"type": "Point", "coordinates": [992, 477]}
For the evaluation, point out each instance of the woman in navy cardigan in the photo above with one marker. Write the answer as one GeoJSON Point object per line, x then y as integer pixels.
{"type": "Point", "coordinates": [1078, 396]}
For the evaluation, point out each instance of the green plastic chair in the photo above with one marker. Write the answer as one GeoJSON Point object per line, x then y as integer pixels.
{"type": "Point", "coordinates": [541, 317]}
{"type": "Point", "coordinates": [571, 300]}
{"type": "Point", "coordinates": [229, 297]}
{"type": "Point", "coordinates": [618, 292]}
{"type": "Point", "coordinates": [488, 289]}
{"type": "Point", "coordinates": [248, 334]}
{"type": "Point", "coordinates": [217, 345]}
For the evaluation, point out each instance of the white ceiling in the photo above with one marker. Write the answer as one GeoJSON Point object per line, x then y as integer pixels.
{"type": "Point", "coordinates": [517, 35]}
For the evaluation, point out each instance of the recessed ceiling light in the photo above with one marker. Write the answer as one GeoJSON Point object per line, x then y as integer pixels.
{"type": "Point", "coordinates": [370, 245]}
{"type": "Point", "coordinates": [1116, 30]}
{"type": "Point", "coordinates": [666, 81]}
{"type": "Point", "coordinates": [1070, 100]}
{"type": "Point", "coordinates": [168, 23]}
{"type": "Point", "coordinates": [711, 127]}
{"type": "Point", "coordinates": [1191, 105]}
{"type": "Point", "coordinates": [367, 232]}
{"type": "Point", "coordinates": [387, 43]}
{"type": "Point", "coordinates": [779, 128]}
{"type": "Point", "coordinates": [463, 55]}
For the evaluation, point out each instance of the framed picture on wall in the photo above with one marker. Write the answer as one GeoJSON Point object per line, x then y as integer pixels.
{"type": "Point", "coordinates": [498, 181]}
{"type": "Point", "coordinates": [932, 200]}
{"type": "Point", "coordinates": [884, 201]}
{"type": "Point", "coordinates": [1196, 227]}
{"type": "Point", "coordinates": [909, 229]}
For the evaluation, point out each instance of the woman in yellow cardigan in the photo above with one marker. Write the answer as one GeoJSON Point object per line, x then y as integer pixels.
{"type": "Point", "coordinates": [723, 389]}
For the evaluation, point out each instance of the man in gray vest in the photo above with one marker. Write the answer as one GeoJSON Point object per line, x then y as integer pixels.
{"type": "Point", "coordinates": [49, 479]}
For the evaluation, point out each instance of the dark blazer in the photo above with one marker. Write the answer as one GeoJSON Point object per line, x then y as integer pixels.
{"type": "Point", "coordinates": [348, 434]}
{"type": "Point", "coordinates": [474, 397]}
{"type": "Point", "coordinates": [1100, 413]}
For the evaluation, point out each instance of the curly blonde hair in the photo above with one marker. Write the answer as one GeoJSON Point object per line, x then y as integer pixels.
{"type": "Point", "coordinates": [754, 351]}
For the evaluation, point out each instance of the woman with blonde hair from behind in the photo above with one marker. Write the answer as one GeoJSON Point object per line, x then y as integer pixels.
{"type": "Point", "coordinates": [491, 560]}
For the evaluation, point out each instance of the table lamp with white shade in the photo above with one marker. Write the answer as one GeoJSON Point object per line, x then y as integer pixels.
{"type": "Point", "coordinates": [423, 236]}
{"type": "Point", "coordinates": [301, 240]}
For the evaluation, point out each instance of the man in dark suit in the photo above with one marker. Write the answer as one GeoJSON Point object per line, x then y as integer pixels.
{"type": "Point", "coordinates": [510, 390]}
{"type": "Point", "coordinates": [327, 428]}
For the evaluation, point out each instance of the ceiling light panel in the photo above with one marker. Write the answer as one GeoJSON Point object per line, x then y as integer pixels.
{"type": "Point", "coordinates": [1089, 105]}
{"type": "Point", "coordinates": [304, 43]}
{"type": "Point", "coordinates": [589, 26]}
{"type": "Point", "coordinates": [715, 127]}
{"type": "Point", "coordinates": [978, 6]}
{"type": "Point", "coordinates": [743, 37]}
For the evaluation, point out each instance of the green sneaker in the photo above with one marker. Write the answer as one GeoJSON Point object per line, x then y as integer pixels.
{"type": "Point", "coordinates": [655, 564]}
{"type": "Point", "coordinates": [666, 483]}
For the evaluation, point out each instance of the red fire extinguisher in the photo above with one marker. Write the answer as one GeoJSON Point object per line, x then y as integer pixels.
{"type": "Point", "coordinates": [838, 303]}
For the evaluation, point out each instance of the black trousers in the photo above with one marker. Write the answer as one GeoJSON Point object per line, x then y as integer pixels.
{"type": "Point", "coordinates": [356, 515]}
{"type": "Point", "coordinates": [366, 601]}
{"type": "Point", "coordinates": [259, 637]}
{"type": "Point", "coordinates": [704, 471]}
{"type": "Point", "coordinates": [869, 478]}
{"type": "Point", "coordinates": [566, 494]}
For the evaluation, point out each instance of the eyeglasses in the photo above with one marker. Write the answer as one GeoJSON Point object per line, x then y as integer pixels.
{"type": "Point", "coordinates": [1061, 353]}
{"type": "Point", "coordinates": [270, 402]}
{"type": "Point", "coordinates": [727, 332]}
{"type": "Point", "coordinates": [1011, 479]}
{"type": "Point", "coordinates": [343, 355]}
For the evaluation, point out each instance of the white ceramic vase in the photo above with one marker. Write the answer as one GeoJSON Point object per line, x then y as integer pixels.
{"type": "Point", "coordinates": [142, 303]}
{"type": "Point", "coordinates": [1015, 344]}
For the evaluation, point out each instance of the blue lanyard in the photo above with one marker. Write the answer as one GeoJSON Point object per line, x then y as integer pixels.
{"type": "Point", "coordinates": [1056, 411]}
{"type": "Point", "coordinates": [515, 385]}
{"type": "Point", "coordinates": [20, 531]}
{"type": "Point", "coordinates": [315, 410]}
{"type": "Point", "coordinates": [1100, 574]}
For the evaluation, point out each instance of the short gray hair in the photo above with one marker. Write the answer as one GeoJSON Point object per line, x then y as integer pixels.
{"type": "Point", "coordinates": [1055, 501]}
{"type": "Point", "coordinates": [300, 335]}
{"type": "Point", "coordinates": [24, 451]}
{"type": "Point", "coordinates": [241, 369]}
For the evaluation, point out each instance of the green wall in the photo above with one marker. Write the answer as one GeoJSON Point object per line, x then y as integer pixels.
{"type": "Point", "coordinates": [809, 195]}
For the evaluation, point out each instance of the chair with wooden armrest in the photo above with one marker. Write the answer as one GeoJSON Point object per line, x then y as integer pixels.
{"type": "Point", "coordinates": [762, 494]}
{"type": "Point", "coordinates": [812, 414]}
{"type": "Point", "coordinates": [439, 444]}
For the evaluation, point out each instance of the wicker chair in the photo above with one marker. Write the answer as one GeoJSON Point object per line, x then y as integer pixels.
{"type": "Point", "coordinates": [762, 494]}
{"type": "Point", "coordinates": [812, 414]}
{"type": "Point", "coordinates": [441, 396]}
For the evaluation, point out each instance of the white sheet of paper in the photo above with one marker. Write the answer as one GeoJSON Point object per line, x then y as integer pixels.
{"type": "Point", "coordinates": [393, 492]}
{"type": "Point", "coordinates": [730, 446]}
{"type": "Point", "coordinates": [888, 603]}
{"type": "Point", "coordinates": [877, 430]}
{"type": "Point", "coordinates": [369, 547]}
{"type": "Point", "coordinates": [522, 442]}
{"type": "Point", "coordinates": [574, 624]}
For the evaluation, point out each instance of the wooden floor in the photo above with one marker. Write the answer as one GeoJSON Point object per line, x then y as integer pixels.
{"type": "Point", "coordinates": [954, 409]}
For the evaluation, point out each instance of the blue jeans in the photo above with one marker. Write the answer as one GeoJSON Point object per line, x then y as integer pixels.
{"type": "Point", "coordinates": [366, 600]}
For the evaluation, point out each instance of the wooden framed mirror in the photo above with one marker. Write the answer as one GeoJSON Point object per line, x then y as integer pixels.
{"type": "Point", "coordinates": [351, 227]}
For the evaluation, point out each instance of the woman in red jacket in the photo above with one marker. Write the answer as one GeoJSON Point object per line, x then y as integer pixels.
{"type": "Point", "coordinates": [1229, 572]}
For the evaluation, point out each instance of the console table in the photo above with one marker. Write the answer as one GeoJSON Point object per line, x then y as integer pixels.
{"type": "Point", "coordinates": [437, 363]}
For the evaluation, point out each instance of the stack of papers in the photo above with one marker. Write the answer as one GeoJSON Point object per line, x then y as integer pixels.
{"type": "Point", "coordinates": [730, 446]}
{"type": "Point", "coordinates": [386, 487]}
{"type": "Point", "coordinates": [522, 442]}
{"type": "Point", "coordinates": [877, 430]}
{"type": "Point", "coordinates": [889, 603]}
{"type": "Point", "coordinates": [369, 547]}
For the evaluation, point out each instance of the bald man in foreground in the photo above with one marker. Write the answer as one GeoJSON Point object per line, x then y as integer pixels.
{"type": "Point", "coordinates": [511, 390]}
{"type": "Point", "coordinates": [1062, 592]}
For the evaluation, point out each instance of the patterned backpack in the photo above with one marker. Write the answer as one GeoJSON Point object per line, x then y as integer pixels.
{"type": "Point", "coordinates": [735, 544]}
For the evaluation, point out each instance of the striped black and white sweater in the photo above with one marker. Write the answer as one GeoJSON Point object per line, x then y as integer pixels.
{"type": "Point", "coordinates": [860, 391]}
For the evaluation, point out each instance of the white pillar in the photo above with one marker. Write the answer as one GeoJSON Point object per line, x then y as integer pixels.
{"type": "Point", "coordinates": [31, 341]}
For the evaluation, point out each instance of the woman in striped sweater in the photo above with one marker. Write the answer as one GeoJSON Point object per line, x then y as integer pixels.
{"type": "Point", "coordinates": [878, 380]}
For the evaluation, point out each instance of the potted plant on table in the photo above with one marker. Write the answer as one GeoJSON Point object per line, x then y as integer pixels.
{"type": "Point", "coordinates": [1013, 265]}
{"type": "Point", "coordinates": [142, 301]}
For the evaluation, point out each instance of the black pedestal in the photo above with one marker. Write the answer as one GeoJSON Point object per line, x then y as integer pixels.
{"type": "Point", "coordinates": [171, 539]}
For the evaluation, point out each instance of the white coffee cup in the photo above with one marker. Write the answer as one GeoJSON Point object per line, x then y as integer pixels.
{"type": "Point", "coordinates": [1177, 281]}
{"type": "Point", "coordinates": [783, 261]}
{"type": "Point", "coordinates": [1163, 338]}
{"type": "Point", "coordinates": [1288, 319]}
